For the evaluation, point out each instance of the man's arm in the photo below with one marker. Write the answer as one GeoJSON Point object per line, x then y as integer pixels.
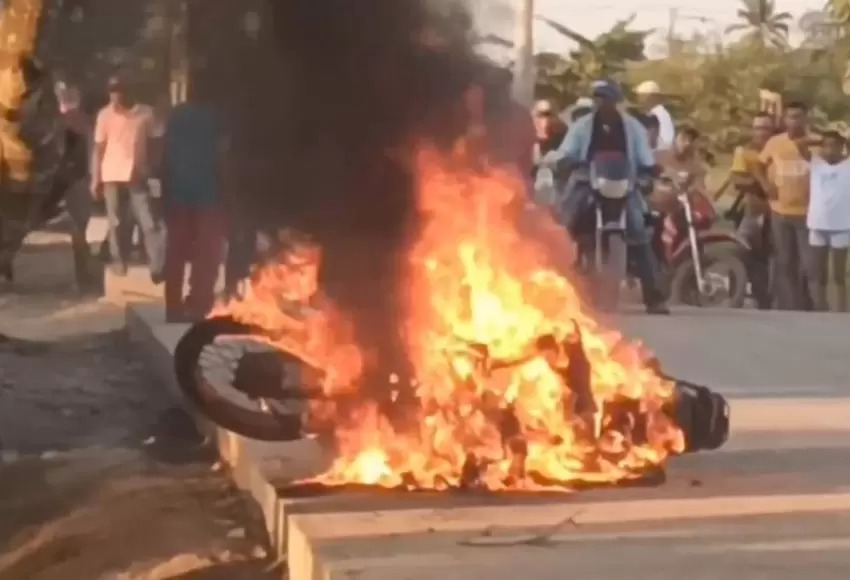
{"type": "Point", "coordinates": [97, 153]}
{"type": "Point", "coordinates": [739, 174]}
{"type": "Point", "coordinates": [571, 148]}
{"type": "Point", "coordinates": [644, 155]}
{"type": "Point", "coordinates": [759, 171]}
{"type": "Point", "coordinates": [666, 130]}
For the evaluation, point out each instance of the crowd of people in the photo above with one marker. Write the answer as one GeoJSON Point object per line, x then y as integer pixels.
{"type": "Point", "coordinates": [791, 187]}
{"type": "Point", "coordinates": [164, 173]}
{"type": "Point", "coordinates": [155, 172]}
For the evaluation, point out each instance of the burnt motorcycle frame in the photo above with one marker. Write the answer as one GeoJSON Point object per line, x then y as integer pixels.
{"type": "Point", "coordinates": [703, 415]}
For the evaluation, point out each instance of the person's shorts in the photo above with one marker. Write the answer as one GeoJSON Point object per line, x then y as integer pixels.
{"type": "Point", "coordinates": [839, 240]}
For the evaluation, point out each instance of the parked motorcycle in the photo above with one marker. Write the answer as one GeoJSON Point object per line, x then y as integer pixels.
{"type": "Point", "coordinates": [702, 266]}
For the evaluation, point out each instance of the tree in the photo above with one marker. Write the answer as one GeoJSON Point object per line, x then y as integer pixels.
{"type": "Point", "coordinates": [762, 24]}
{"type": "Point", "coordinates": [839, 10]}
{"type": "Point", "coordinates": [565, 78]}
{"type": "Point", "coordinates": [820, 30]}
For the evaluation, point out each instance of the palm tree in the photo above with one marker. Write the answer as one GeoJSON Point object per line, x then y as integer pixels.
{"type": "Point", "coordinates": [839, 10]}
{"type": "Point", "coordinates": [763, 25]}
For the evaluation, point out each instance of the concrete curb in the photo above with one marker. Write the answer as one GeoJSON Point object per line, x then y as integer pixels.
{"type": "Point", "coordinates": [254, 465]}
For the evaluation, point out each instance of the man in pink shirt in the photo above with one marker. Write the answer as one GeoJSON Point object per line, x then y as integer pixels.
{"type": "Point", "coordinates": [120, 172]}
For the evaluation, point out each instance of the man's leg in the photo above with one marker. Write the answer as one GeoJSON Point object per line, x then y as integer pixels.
{"type": "Point", "coordinates": [116, 202]}
{"type": "Point", "coordinates": [751, 229]}
{"type": "Point", "coordinates": [207, 256]}
{"type": "Point", "coordinates": [804, 263]}
{"type": "Point", "coordinates": [641, 249]}
{"type": "Point", "coordinates": [79, 204]}
{"type": "Point", "coordinates": [786, 270]}
{"type": "Point", "coordinates": [818, 264]}
{"type": "Point", "coordinates": [178, 250]}
{"type": "Point", "coordinates": [151, 232]}
{"type": "Point", "coordinates": [841, 243]}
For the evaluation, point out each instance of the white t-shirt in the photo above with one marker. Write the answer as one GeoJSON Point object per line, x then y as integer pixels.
{"type": "Point", "coordinates": [829, 202]}
{"type": "Point", "coordinates": [666, 127]}
{"type": "Point", "coordinates": [125, 135]}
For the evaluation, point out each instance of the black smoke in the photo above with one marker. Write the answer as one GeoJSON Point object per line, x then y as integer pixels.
{"type": "Point", "coordinates": [354, 84]}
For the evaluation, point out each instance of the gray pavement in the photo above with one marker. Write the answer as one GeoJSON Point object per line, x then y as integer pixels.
{"type": "Point", "coordinates": [772, 503]}
{"type": "Point", "coordinates": [770, 547]}
{"type": "Point", "coordinates": [750, 353]}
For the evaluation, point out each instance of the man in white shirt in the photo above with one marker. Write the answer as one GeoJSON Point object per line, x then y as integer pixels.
{"type": "Point", "coordinates": [650, 96]}
{"type": "Point", "coordinates": [828, 220]}
{"type": "Point", "coordinates": [121, 166]}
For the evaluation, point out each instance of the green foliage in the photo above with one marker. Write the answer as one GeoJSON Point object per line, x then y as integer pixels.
{"type": "Point", "coordinates": [710, 86]}
{"type": "Point", "coordinates": [839, 10]}
{"type": "Point", "coordinates": [564, 79]}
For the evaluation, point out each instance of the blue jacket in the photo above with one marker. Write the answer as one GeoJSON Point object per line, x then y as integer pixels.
{"type": "Point", "coordinates": [639, 155]}
{"type": "Point", "coordinates": [638, 150]}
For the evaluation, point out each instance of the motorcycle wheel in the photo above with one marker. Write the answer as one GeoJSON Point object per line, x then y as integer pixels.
{"type": "Point", "coordinates": [224, 412]}
{"type": "Point", "coordinates": [614, 268]}
{"type": "Point", "coordinates": [724, 260]}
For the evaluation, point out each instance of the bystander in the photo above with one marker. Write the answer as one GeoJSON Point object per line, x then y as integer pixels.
{"type": "Point", "coordinates": [120, 172]}
{"type": "Point", "coordinates": [828, 221]}
{"type": "Point", "coordinates": [78, 203]}
{"type": "Point", "coordinates": [193, 147]}
{"type": "Point", "coordinates": [784, 175]}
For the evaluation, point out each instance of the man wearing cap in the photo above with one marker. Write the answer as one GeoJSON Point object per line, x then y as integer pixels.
{"type": "Point", "coordinates": [550, 131]}
{"type": "Point", "coordinates": [609, 133]}
{"type": "Point", "coordinates": [120, 171]}
{"type": "Point", "coordinates": [650, 96]}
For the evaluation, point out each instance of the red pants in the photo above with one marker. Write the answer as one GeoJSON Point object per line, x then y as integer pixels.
{"type": "Point", "coordinates": [196, 236]}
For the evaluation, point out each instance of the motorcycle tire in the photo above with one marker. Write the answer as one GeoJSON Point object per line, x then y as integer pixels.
{"type": "Point", "coordinates": [683, 287]}
{"type": "Point", "coordinates": [253, 424]}
{"type": "Point", "coordinates": [614, 270]}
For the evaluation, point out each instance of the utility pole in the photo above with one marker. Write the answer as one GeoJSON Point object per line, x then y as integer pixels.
{"type": "Point", "coordinates": [671, 31]}
{"type": "Point", "coordinates": [524, 73]}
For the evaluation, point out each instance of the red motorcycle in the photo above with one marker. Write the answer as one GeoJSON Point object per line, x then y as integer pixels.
{"type": "Point", "coordinates": [701, 265]}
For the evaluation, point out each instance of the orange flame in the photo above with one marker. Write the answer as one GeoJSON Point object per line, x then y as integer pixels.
{"type": "Point", "coordinates": [517, 386]}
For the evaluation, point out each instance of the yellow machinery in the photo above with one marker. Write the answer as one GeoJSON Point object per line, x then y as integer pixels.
{"type": "Point", "coordinates": [18, 28]}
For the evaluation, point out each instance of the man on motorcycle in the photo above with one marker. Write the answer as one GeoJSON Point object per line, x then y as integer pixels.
{"type": "Point", "coordinates": [684, 157]}
{"type": "Point", "coordinates": [608, 134]}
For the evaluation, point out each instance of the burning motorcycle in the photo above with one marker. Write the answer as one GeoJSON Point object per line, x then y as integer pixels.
{"type": "Point", "coordinates": [240, 377]}
{"type": "Point", "coordinates": [701, 265]}
{"type": "Point", "coordinates": [231, 374]}
{"type": "Point", "coordinates": [504, 365]}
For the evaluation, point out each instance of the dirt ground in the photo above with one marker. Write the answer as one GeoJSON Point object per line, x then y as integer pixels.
{"type": "Point", "coordinates": [102, 476]}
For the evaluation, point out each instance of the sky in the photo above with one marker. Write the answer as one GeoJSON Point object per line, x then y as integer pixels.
{"type": "Point", "coordinates": [596, 16]}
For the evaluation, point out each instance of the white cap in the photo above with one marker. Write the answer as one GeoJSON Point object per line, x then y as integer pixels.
{"type": "Point", "coordinates": [583, 103]}
{"type": "Point", "coordinates": [648, 88]}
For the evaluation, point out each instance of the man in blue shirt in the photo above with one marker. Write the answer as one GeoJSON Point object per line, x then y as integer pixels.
{"type": "Point", "coordinates": [614, 136]}
{"type": "Point", "coordinates": [193, 147]}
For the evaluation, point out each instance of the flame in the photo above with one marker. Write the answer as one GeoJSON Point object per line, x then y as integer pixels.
{"type": "Point", "coordinates": [517, 387]}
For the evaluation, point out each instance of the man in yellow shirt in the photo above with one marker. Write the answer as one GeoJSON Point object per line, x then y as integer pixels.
{"type": "Point", "coordinates": [753, 226]}
{"type": "Point", "coordinates": [784, 175]}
